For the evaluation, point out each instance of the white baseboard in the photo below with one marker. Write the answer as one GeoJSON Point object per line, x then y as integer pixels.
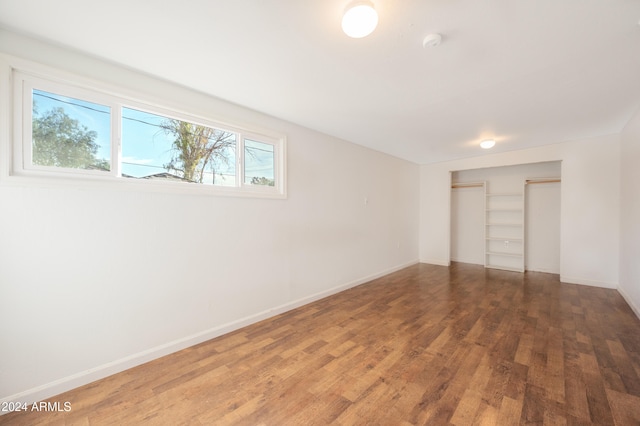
{"type": "Point", "coordinates": [438, 262]}
{"type": "Point", "coordinates": [469, 262]}
{"type": "Point", "coordinates": [65, 384]}
{"type": "Point", "coordinates": [543, 270]}
{"type": "Point", "coordinates": [582, 281]}
{"type": "Point", "coordinates": [625, 296]}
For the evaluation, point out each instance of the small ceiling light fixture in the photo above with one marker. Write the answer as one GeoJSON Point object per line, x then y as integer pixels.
{"type": "Point", "coordinates": [360, 19]}
{"type": "Point", "coordinates": [487, 144]}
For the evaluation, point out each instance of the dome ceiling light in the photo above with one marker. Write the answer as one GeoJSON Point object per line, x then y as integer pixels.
{"type": "Point", "coordinates": [487, 144]}
{"type": "Point", "coordinates": [360, 19]}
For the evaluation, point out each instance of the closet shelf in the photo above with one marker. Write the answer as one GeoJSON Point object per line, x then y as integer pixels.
{"type": "Point", "coordinates": [504, 223]}
{"type": "Point", "coordinates": [500, 253]}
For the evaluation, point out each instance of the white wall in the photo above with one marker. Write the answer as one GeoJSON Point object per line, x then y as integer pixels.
{"type": "Point", "coordinates": [467, 225]}
{"type": "Point", "coordinates": [94, 280]}
{"type": "Point", "coordinates": [590, 206]}
{"type": "Point", "coordinates": [630, 214]}
{"type": "Point", "coordinates": [542, 213]}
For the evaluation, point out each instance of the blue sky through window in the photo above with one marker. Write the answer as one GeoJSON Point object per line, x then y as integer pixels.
{"type": "Point", "coordinates": [146, 148]}
{"type": "Point", "coordinates": [259, 162]}
{"type": "Point", "coordinates": [93, 116]}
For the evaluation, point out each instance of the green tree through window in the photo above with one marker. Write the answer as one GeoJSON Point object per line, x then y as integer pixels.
{"type": "Point", "coordinates": [62, 141]}
{"type": "Point", "coordinates": [197, 149]}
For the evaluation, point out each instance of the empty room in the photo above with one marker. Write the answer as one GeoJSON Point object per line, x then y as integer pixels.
{"type": "Point", "coordinates": [319, 212]}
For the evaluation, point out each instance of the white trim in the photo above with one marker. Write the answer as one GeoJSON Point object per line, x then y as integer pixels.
{"type": "Point", "coordinates": [629, 300]}
{"type": "Point", "coordinates": [465, 261]}
{"type": "Point", "coordinates": [277, 169]}
{"type": "Point", "coordinates": [135, 185]}
{"type": "Point", "coordinates": [591, 283]}
{"type": "Point", "coordinates": [439, 262]}
{"type": "Point", "coordinates": [543, 270]}
{"type": "Point", "coordinates": [73, 381]}
{"type": "Point", "coordinates": [6, 120]}
{"type": "Point", "coordinates": [23, 98]}
{"type": "Point", "coordinates": [448, 221]}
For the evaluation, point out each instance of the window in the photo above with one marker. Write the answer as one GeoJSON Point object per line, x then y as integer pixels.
{"type": "Point", "coordinates": [78, 132]}
{"type": "Point", "coordinates": [69, 133]}
{"type": "Point", "coordinates": [159, 147]}
{"type": "Point", "coordinates": [259, 163]}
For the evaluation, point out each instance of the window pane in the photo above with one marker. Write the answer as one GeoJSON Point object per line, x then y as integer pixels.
{"type": "Point", "coordinates": [69, 132]}
{"type": "Point", "coordinates": [259, 163]}
{"type": "Point", "coordinates": [158, 147]}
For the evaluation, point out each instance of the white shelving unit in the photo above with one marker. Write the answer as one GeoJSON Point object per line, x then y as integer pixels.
{"type": "Point", "coordinates": [504, 231]}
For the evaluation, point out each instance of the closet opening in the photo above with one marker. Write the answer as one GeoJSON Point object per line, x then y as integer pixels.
{"type": "Point", "coordinates": [507, 217]}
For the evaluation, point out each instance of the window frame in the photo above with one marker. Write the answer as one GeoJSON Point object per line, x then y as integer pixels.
{"type": "Point", "coordinates": [264, 140]}
{"type": "Point", "coordinates": [24, 152]}
{"type": "Point", "coordinates": [25, 79]}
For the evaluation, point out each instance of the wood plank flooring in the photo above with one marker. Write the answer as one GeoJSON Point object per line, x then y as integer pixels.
{"type": "Point", "coordinates": [426, 345]}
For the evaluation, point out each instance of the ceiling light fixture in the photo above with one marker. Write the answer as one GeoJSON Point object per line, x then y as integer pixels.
{"type": "Point", "coordinates": [360, 19]}
{"type": "Point", "coordinates": [486, 144]}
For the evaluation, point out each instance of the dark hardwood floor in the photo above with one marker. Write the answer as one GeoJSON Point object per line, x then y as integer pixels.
{"type": "Point", "coordinates": [425, 345]}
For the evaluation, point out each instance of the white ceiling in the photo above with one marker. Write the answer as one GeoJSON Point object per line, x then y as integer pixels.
{"type": "Point", "coordinates": [526, 72]}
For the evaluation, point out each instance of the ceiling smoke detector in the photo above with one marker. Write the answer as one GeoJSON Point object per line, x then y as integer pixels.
{"type": "Point", "coordinates": [432, 40]}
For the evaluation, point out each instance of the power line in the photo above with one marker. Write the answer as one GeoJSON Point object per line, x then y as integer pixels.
{"type": "Point", "coordinates": [38, 93]}
{"type": "Point", "coordinates": [71, 103]}
{"type": "Point", "coordinates": [251, 148]}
